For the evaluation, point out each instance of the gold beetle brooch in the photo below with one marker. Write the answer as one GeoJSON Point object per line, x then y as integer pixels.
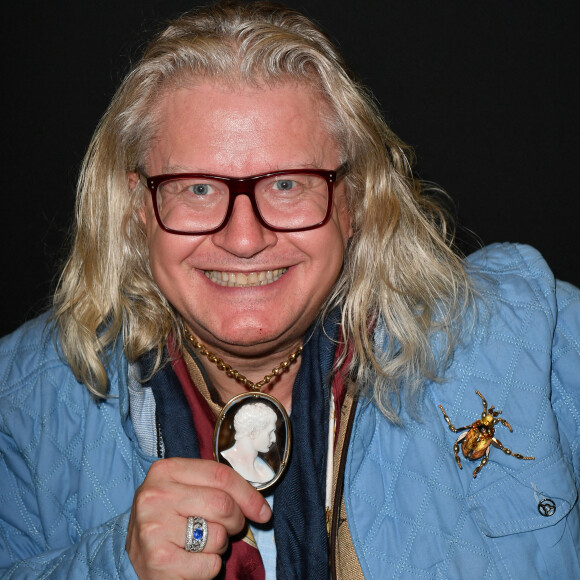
{"type": "Point", "coordinates": [479, 437]}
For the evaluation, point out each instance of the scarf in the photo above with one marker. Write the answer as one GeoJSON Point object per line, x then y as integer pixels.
{"type": "Point", "coordinates": [186, 425]}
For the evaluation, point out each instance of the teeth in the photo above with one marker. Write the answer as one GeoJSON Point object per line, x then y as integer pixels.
{"type": "Point", "coordinates": [244, 280]}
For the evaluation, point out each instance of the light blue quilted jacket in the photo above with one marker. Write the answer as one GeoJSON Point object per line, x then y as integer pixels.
{"type": "Point", "coordinates": [69, 467]}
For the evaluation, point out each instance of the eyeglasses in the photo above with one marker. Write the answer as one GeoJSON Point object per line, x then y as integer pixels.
{"type": "Point", "coordinates": [293, 200]}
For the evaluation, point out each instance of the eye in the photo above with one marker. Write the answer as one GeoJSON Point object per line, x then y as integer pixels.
{"type": "Point", "coordinates": [201, 189]}
{"type": "Point", "coordinates": [284, 184]}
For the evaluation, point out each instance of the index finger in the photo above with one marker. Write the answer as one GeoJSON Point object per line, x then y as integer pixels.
{"type": "Point", "coordinates": [207, 473]}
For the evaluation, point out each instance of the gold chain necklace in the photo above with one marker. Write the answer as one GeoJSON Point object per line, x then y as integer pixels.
{"type": "Point", "coordinates": [252, 432]}
{"type": "Point", "coordinates": [233, 373]}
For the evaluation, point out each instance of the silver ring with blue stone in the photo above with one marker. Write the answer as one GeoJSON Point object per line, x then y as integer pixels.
{"type": "Point", "coordinates": [196, 534]}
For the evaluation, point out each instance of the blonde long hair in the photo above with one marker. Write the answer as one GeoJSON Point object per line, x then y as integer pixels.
{"type": "Point", "coordinates": [400, 270]}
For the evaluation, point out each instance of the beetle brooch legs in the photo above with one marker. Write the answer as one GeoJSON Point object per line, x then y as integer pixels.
{"type": "Point", "coordinates": [479, 437]}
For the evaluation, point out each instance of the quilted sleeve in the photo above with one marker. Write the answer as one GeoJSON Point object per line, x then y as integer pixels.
{"type": "Point", "coordinates": [99, 551]}
{"type": "Point", "coordinates": [99, 554]}
{"type": "Point", "coordinates": [68, 470]}
{"type": "Point", "coordinates": [566, 373]}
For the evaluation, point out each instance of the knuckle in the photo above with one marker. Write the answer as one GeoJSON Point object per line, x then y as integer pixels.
{"type": "Point", "coordinates": [223, 504]}
{"type": "Point", "coordinates": [214, 564]}
{"type": "Point", "coordinates": [223, 476]}
{"type": "Point", "coordinates": [162, 558]}
{"type": "Point", "coordinates": [146, 496]}
{"type": "Point", "coordinates": [160, 469]}
{"type": "Point", "coordinates": [148, 532]}
{"type": "Point", "coordinates": [221, 539]}
{"type": "Point", "coordinates": [205, 565]}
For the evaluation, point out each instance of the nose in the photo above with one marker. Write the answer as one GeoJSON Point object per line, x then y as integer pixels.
{"type": "Point", "coordinates": [243, 235]}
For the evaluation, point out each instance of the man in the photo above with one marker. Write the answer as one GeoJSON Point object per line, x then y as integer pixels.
{"type": "Point", "coordinates": [244, 212]}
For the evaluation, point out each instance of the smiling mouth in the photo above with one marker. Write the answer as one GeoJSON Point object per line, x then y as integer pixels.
{"type": "Point", "coordinates": [239, 280]}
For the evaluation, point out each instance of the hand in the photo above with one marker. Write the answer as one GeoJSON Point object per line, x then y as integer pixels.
{"type": "Point", "coordinates": [175, 489]}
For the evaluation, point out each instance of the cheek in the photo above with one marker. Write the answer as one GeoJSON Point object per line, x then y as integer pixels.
{"type": "Point", "coordinates": [325, 249]}
{"type": "Point", "coordinates": [168, 255]}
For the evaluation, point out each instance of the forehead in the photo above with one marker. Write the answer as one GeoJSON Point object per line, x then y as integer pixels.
{"type": "Point", "coordinates": [209, 125]}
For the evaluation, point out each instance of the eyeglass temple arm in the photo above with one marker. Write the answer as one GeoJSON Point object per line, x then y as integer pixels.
{"type": "Point", "coordinates": [143, 177]}
{"type": "Point", "coordinates": [342, 171]}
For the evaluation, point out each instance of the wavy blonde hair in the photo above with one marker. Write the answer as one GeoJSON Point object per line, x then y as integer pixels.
{"type": "Point", "coordinates": [400, 270]}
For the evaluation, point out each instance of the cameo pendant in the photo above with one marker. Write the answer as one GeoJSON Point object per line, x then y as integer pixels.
{"type": "Point", "coordinates": [252, 435]}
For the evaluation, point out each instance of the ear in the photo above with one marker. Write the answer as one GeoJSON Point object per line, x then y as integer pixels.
{"type": "Point", "coordinates": [350, 230]}
{"type": "Point", "coordinates": [132, 179]}
{"type": "Point", "coordinates": [344, 214]}
{"type": "Point", "coordinates": [346, 224]}
{"type": "Point", "coordinates": [133, 182]}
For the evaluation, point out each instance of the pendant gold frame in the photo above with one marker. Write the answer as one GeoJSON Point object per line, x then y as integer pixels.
{"type": "Point", "coordinates": [276, 457]}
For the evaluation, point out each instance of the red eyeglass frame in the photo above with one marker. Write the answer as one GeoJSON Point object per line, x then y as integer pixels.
{"type": "Point", "coordinates": [242, 186]}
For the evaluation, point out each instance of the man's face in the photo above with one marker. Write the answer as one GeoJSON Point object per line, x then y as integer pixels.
{"type": "Point", "coordinates": [264, 438]}
{"type": "Point", "coordinates": [241, 132]}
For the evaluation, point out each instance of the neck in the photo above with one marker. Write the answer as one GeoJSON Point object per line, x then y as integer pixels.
{"type": "Point", "coordinates": [222, 373]}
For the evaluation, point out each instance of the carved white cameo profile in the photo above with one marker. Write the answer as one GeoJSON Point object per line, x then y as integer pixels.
{"type": "Point", "coordinates": [252, 435]}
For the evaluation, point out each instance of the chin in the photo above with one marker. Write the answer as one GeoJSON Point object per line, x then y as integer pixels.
{"type": "Point", "coordinates": [250, 341]}
{"type": "Point", "coordinates": [245, 330]}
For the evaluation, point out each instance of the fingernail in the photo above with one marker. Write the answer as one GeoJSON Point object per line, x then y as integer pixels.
{"type": "Point", "coordinates": [265, 513]}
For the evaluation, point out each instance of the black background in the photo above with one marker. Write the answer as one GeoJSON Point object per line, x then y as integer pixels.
{"type": "Point", "coordinates": [485, 91]}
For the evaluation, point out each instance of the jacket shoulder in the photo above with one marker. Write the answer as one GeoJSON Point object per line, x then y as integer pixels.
{"type": "Point", "coordinates": [30, 350]}
{"type": "Point", "coordinates": [514, 274]}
